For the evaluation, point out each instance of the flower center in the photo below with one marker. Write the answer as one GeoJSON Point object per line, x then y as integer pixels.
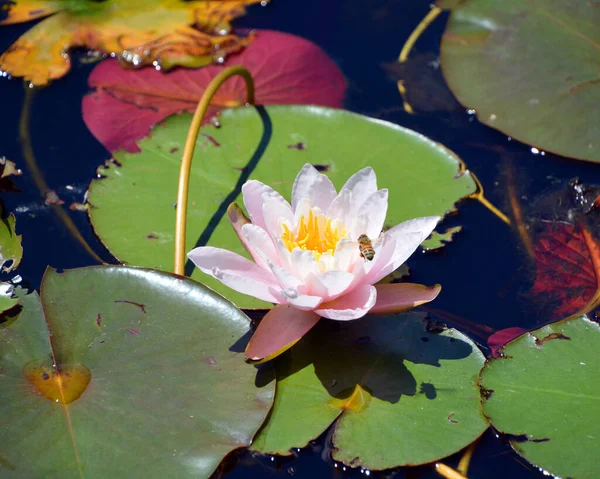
{"type": "Point", "coordinates": [315, 233]}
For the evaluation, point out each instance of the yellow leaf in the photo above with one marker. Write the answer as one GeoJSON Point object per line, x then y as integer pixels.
{"type": "Point", "coordinates": [163, 33]}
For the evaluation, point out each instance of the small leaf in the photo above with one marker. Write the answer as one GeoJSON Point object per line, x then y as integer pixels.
{"type": "Point", "coordinates": [438, 240]}
{"type": "Point", "coordinates": [544, 393]}
{"type": "Point", "coordinates": [286, 70]}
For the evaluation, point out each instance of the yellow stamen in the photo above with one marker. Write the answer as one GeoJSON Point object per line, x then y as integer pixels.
{"type": "Point", "coordinates": [310, 237]}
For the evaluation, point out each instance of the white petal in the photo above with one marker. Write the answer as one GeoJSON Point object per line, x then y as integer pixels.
{"type": "Point", "coordinates": [342, 207]}
{"type": "Point", "coordinates": [252, 192]}
{"type": "Point", "coordinates": [261, 242]}
{"type": "Point", "coordinates": [331, 284]}
{"type": "Point", "coordinates": [375, 209]}
{"type": "Point", "coordinates": [362, 184]}
{"type": "Point", "coordinates": [350, 306]}
{"type": "Point", "coordinates": [304, 264]}
{"type": "Point", "coordinates": [301, 301]}
{"type": "Point", "coordinates": [322, 192]}
{"type": "Point", "coordinates": [274, 210]}
{"type": "Point", "coordinates": [303, 208]}
{"type": "Point", "coordinates": [237, 272]}
{"type": "Point", "coordinates": [346, 254]}
{"type": "Point", "coordinates": [303, 183]}
{"type": "Point", "coordinates": [406, 238]}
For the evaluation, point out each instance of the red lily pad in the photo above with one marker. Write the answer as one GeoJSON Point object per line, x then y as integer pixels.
{"type": "Point", "coordinates": [500, 338]}
{"type": "Point", "coordinates": [286, 69]}
{"type": "Point", "coordinates": [568, 267]}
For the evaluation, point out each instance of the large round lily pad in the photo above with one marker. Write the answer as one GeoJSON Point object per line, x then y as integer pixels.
{"type": "Point", "coordinates": [150, 381]}
{"type": "Point", "coordinates": [133, 210]}
{"type": "Point", "coordinates": [529, 69]}
{"type": "Point", "coordinates": [403, 391]}
{"type": "Point", "coordinates": [545, 392]}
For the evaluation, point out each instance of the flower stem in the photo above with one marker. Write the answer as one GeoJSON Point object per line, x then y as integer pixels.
{"type": "Point", "coordinates": [188, 153]}
{"type": "Point", "coordinates": [407, 47]}
{"type": "Point", "coordinates": [447, 471]}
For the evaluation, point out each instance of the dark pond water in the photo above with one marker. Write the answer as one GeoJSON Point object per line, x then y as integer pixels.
{"type": "Point", "coordinates": [485, 273]}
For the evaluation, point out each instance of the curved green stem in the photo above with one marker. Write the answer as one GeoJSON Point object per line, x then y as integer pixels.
{"type": "Point", "coordinates": [188, 153]}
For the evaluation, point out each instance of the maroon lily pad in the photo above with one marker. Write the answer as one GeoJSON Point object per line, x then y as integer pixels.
{"type": "Point", "coordinates": [286, 69]}
{"type": "Point", "coordinates": [501, 338]}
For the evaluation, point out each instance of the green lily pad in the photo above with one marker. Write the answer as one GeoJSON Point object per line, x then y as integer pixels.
{"type": "Point", "coordinates": [545, 393]}
{"type": "Point", "coordinates": [529, 69]}
{"type": "Point", "coordinates": [403, 391]}
{"type": "Point", "coordinates": [11, 251]}
{"type": "Point", "coordinates": [133, 209]}
{"type": "Point", "coordinates": [148, 383]}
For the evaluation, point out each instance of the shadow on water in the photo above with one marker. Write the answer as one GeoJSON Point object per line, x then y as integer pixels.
{"type": "Point", "coordinates": [237, 189]}
{"type": "Point", "coordinates": [373, 353]}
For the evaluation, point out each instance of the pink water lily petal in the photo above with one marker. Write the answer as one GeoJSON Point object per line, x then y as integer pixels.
{"type": "Point", "coordinates": [362, 185]}
{"type": "Point", "coordinates": [395, 298]}
{"type": "Point", "coordinates": [346, 255]}
{"type": "Point", "coordinates": [407, 237]}
{"type": "Point", "coordinates": [238, 219]}
{"type": "Point", "coordinates": [274, 210]}
{"type": "Point", "coordinates": [375, 209]}
{"type": "Point", "coordinates": [322, 192]}
{"type": "Point", "coordinates": [252, 193]}
{"type": "Point", "coordinates": [261, 245]}
{"type": "Point", "coordinates": [237, 272]}
{"type": "Point", "coordinates": [305, 302]}
{"type": "Point", "coordinates": [304, 264]}
{"type": "Point", "coordinates": [303, 184]}
{"type": "Point", "coordinates": [278, 331]}
{"type": "Point", "coordinates": [350, 306]}
{"type": "Point", "coordinates": [342, 207]}
{"type": "Point", "coordinates": [302, 208]}
{"type": "Point", "coordinates": [331, 284]}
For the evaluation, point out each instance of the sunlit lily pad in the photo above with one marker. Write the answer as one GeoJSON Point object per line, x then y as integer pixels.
{"type": "Point", "coordinates": [529, 69]}
{"type": "Point", "coordinates": [139, 33]}
{"type": "Point", "coordinates": [133, 207]}
{"type": "Point", "coordinates": [403, 392]}
{"type": "Point", "coordinates": [151, 380]}
{"type": "Point", "coordinates": [544, 392]}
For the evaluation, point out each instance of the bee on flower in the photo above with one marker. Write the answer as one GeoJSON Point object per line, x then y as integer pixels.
{"type": "Point", "coordinates": [305, 257]}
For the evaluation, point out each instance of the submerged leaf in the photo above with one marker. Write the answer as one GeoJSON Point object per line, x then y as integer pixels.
{"type": "Point", "coordinates": [120, 370]}
{"type": "Point", "coordinates": [153, 32]}
{"type": "Point", "coordinates": [567, 258]}
{"type": "Point", "coordinates": [286, 70]}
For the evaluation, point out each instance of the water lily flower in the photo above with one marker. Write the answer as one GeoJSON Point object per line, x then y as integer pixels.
{"type": "Point", "coordinates": [307, 258]}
